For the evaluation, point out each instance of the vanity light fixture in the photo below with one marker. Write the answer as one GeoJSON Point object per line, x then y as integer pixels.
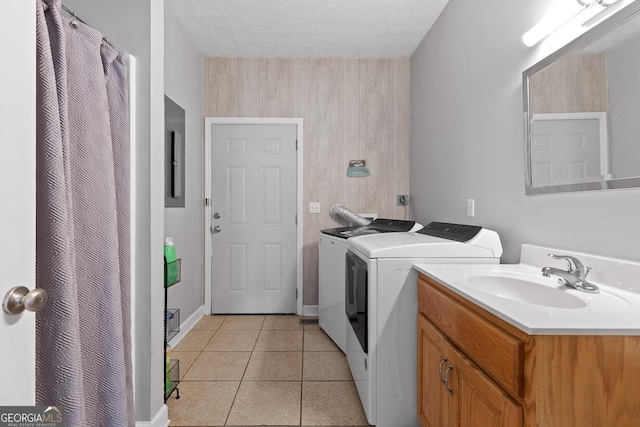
{"type": "Point", "coordinates": [565, 13]}
{"type": "Point", "coordinates": [602, 12]}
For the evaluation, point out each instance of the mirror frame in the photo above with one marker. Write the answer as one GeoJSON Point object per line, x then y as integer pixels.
{"type": "Point", "coordinates": [630, 11]}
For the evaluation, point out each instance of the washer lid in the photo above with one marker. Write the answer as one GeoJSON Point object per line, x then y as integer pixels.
{"type": "Point", "coordinates": [377, 226]}
{"type": "Point", "coordinates": [485, 244]}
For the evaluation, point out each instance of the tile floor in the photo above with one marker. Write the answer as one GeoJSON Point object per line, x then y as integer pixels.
{"type": "Point", "coordinates": [262, 370]}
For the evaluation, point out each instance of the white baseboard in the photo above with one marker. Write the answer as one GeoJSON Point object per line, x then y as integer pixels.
{"type": "Point", "coordinates": [310, 310]}
{"type": "Point", "coordinates": [186, 325]}
{"type": "Point", "coordinates": [160, 420]}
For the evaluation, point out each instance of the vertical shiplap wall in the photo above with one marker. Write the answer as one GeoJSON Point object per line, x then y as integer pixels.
{"type": "Point", "coordinates": [352, 109]}
{"type": "Point", "coordinates": [576, 83]}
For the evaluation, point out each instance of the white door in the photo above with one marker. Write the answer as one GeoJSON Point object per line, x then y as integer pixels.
{"type": "Point", "coordinates": [565, 151]}
{"type": "Point", "coordinates": [17, 214]}
{"type": "Point", "coordinates": [253, 206]}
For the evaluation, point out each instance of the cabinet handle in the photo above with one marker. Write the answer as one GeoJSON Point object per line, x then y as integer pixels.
{"type": "Point", "coordinates": [446, 379]}
{"type": "Point", "coordinates": [442, 362]}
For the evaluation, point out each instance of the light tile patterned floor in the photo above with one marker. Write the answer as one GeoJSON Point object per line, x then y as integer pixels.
{"type": "Point", "coordinates": [262, 370]}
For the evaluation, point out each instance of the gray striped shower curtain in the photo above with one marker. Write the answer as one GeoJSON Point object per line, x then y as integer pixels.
{"type": "Point", "coordinates": [83, 340]}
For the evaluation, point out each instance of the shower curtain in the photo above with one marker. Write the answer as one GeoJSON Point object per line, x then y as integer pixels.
{"type": "Point", "coordinates": [83, 342]}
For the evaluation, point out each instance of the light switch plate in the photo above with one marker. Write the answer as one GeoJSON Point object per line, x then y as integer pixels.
{"type": "Point", "coordinates": [471, 208]}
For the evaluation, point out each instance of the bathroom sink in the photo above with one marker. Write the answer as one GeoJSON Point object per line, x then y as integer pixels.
{"type": "Point", "coordinates": [520, 295]}
{"type": "Point", "coordinates": [523, 288]}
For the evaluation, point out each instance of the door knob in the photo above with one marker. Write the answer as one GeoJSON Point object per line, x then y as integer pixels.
{"type": "Point", "coordinates": [19, 298]}
{"type": "Point", "coordinates": [216, 229]}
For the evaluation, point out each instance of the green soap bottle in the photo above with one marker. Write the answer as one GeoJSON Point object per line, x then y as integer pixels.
{"type": "Point", "coordinates": [170, 258]}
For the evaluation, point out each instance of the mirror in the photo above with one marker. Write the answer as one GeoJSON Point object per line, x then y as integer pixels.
{"type": "Point", "coordinates": [582, 111]}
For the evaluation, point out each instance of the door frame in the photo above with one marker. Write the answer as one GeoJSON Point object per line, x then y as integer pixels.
{"type": "Point", "coordinates": [18, 162]}
{"type": "Point", "coordinates": [210, 121]}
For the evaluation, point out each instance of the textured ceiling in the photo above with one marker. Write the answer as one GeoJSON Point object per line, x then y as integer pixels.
{"type": "Point", "coordinates": [306, 28]}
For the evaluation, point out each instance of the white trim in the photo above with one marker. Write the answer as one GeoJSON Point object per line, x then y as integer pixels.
{"type": "Point", "coordinates": [208, 122]}
{"type": "Point", "coordinates": [160, 420]}
{"type": "Point", "coordinates": [310, 310]}
{"type": "Point", "coordinates": [131, 78]}
{"type": "Point", "coordinates": [151, 300]}
{"type": "Point", "coordinates": [187, 325]}
{"type": "Point", "coordinates": [601, 116]}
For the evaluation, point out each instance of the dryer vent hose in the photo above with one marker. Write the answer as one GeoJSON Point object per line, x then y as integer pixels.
{"type": "Point", "coordinates": [339, 211]}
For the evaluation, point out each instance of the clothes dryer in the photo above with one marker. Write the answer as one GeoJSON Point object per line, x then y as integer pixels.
{"type": "Point", "coordinates": [331, 291]}
{"type": "Point", "coordinates": [381, 308]}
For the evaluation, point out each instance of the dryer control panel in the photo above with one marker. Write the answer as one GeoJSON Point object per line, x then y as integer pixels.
{"type": "Point", "coordinates": [457, 232]}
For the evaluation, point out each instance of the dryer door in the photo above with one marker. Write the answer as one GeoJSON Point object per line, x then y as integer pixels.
{"type": "Point", "coordinates": [356, 281]}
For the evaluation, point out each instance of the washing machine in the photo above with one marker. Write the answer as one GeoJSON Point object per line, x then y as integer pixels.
{"type": "Point", "coordinates": [381, 307]}
{"type": "Point", "coordinates": [332, 250]}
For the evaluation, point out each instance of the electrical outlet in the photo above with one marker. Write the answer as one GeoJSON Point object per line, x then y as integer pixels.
{"type": "Point", "coordinates": [471, 208]}
{"type": "Point", "coordinates": [402, 200]}
{"type": "Point", "coordinates": [314, 207]}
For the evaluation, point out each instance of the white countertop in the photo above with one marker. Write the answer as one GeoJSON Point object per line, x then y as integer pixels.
{"type": "Point", "coordinates": [614, 311]}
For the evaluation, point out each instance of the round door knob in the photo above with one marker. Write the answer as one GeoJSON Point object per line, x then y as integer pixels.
{"type": "Point", "coordinates": [19, 298]}
{"type": "Point", "coordinates": [217, 229]}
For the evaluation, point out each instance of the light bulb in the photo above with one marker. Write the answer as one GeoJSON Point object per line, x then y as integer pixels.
{"type": "Point", "coordinates": [559, 15]}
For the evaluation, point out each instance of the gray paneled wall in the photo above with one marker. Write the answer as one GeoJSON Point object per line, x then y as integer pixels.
{"type": "Point", "coordinates": [352, 109]}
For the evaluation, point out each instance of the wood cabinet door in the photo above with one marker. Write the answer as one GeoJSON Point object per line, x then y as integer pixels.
{"type": "Point", "coordinates": [479, 401]}
{"type": "Point", "coordinates": [432, 399]}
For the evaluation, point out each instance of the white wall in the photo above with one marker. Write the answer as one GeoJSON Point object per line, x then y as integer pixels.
{"type": "Point", "coordinates": [183, 84]}
{"type": "Point", "coordinates": [467, 138]}
{"type": "Point", "coordinates": [137, 27]}
{"type": "Point", "coordinates": [624, 108]}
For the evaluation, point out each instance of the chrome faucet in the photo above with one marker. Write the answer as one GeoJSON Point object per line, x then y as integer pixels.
{"type": "Point", "coordinates": [575, 276]}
